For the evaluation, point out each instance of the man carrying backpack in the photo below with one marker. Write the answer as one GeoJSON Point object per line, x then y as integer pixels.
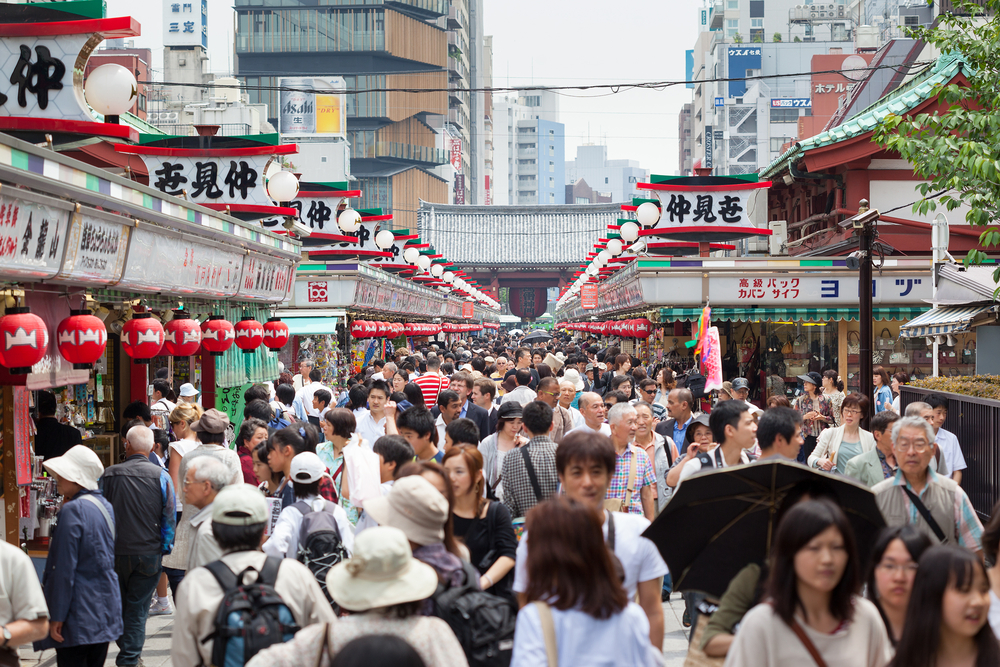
{"type": "Point", "coordinates": [287, 598]}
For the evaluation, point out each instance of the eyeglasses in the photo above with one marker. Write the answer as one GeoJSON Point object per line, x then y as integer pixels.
{"type": "Point", "coordinates": [549, 393]}
{"type": "Point", "coordinates": [919, 446]}
{"type": "Point", "coordinates": [850, 411]}
{"type": "Point", "coordinates": [894, 568]}
{"type": "Point", "coordinates": [648, 391]}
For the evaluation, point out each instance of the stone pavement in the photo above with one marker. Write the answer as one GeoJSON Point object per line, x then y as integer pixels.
{"type": "Point", "coordinates": [156, 652]}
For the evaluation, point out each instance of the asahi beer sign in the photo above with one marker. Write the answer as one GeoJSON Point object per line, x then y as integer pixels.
{"type": "Point", "coordinates": [312, 106]}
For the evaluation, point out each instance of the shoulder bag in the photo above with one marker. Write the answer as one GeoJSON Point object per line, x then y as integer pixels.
{"type": "Point", "coordinates": [548, 632]}
{"type": "Point", "coordinates": [532, 476]}
{"type": "Point", "coordinates": [804, 638]}
{"type": "Point", "coordinates": [696, 656]}
{"type": "Point", "coordinates": [617, 504]}
{"type": "Point", "coordinates": [926, 513]}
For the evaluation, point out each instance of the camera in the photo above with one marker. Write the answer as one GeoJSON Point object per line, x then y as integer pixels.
{"type": "Point", "coordinates": [853, 261]}
{"type": "Point", "coordinates": [297, 228]}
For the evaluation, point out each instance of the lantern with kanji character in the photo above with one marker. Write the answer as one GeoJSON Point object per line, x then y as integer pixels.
{"type": "Point", "coordinates": [275, 334]}
{"type": "Point", "coordinates": [142, 338]}
{"type": "Point", "coordinates": [358, 329]}
{"type": "Point", "coordinates": [249, 334]}
{"type": "Point", "coordinates": [81, 339]}
{"type": "Point", "coordinates": [25, 340]}
{"type": "Point", "coordinates": [528, 302]}
{"type": "Point", "coordinates": [181, 335]}
{"type": "Point", "coordinates": [643, 327]}
{"type": "Point", "coordinates": [217, 335]}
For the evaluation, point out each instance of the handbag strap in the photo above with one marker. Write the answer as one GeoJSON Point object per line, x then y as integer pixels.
{"type": "Point", "coordinates": [926, 513]}
{"type": "Point", "coordinates": [107, 517]}
{"type": "Point", "coordinates": [630, 489]}
{"type": "Point", "coordinates": [804, 638]}
{"type": "Point", "coordinates": [536, 487]}
{"type": "Point", "coordinates": [548, 632]}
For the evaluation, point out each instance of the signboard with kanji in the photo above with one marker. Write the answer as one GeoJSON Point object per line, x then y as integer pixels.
{"type": "Point", "coordinates": [185, 23]}
{"type": "Point", "coordinates": [210, 180]}
{"type": "Point", "coordinates": [468, 309]}
{"type": "Point", "coordinates": [588, 296]}
{"type": "Point", "coordinates": [708, 208]}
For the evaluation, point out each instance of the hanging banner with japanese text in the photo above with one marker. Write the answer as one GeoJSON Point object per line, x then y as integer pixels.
{"type": "Point", "coordinates": [96, 248]}
{"type": "Point", "coordinates": [159, 261]}
{"type": "Point", "coordinates": [708, 209]}
{"type": "Point", "coordinates": [588, 296]}
{"type": "Point", "coordinates": [32, 234]}
{"type": "Point", "coordinates": [211, 180]}
{"type": "Point", "coordinates": [185, 23]}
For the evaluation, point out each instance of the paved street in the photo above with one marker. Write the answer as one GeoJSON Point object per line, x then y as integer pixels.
{"type": "Point", "coordinates": [157, 650]}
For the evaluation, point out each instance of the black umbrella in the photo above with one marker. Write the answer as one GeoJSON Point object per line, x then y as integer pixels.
{"type": "Point", "coordinates": [718, 522]}
{"type": "Point", "coordinates": [537, 336]}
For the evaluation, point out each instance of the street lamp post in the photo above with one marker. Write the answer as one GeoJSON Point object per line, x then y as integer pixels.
{"type": "Point", "coordinates": [864, 227]}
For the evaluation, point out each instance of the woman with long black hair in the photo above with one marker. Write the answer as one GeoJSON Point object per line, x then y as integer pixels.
{"type": "Point", "coordinates": [812, 611]}
{"type": "Point", "coordinates": [946, 621]}
{"type": "Point", "coordinates": [893, 569]}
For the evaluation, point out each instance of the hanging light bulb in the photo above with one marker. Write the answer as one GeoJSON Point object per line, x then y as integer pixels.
{"type": "Point", "coordinates": [448, 277]}
{"type": "Point", "coordinates": [604, 256]}
{"type": "Point", "coordinates": [424, 262]}
{"type": "Point", "coordinates": [384, 239]}
{"type": "Point", "coordinates": [437, 270]}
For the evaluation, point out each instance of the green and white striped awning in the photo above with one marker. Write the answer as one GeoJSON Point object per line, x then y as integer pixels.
{"type": "Point", "coordinates": [788, 314]}
{"type": "Point", "coordinates": [944, 320]}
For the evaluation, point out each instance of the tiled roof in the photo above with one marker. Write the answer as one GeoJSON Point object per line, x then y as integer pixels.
{"type": "Point", "coordinates": [900, 101]}
{"type": "Point", "coordinates": [515, 235]}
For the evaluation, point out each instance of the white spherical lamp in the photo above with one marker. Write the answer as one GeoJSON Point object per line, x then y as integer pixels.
{"type": "Point", "coordinates": [111, 90]}
{"type": "Point", "coordinates": [648, 214]}
{"type": "Point", "coordinates": [424, 262]}
{"type": "Point", "coordinates": [437, 270]}
{"type": "Point", "coordinates": [283, 186]}
{"type": "Point", "coordinates": [384, 239]}
{"type": "Point", "coordinates": [629, 232]}
{"type": "Point", "coordinates": [410, 255]}
{"type": "Point", "coordinates": [615, 247]}
{"type": "Point", "coordinates": [448, 277]}
{"type": "Point", "coordinates": [592, 270]}
{"type": "Point", "coordinates": [349, 221]}
{"type": "Point", "coordinates": [604, 256]}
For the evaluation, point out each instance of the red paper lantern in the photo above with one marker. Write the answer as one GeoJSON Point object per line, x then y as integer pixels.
{"type": "Point", "coordinates": [181, 335]}
{"type": "Point", "coordinates": [643, 328]}
{"type": "Point", "coordinates": [628, 328]}
{"type": "Point", "coordinates": [528, 302]}
{"type": "Point", "coordinates": [25, 340]}
{"type": "Point", "coordinates": [142, 338]}
{"type": "Point", "coordinates": [249, 334]}
{"type": "Point", "coordinates": [81, 339]}
{"type": "Point", "coordinates": [616, 328]}
{"type": "Point", "coordinates": [217, 335]}
{"type": "Point", "coordinates": [275, 334]}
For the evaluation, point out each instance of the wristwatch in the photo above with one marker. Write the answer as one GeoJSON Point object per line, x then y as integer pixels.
{"type": "Point", "coordinates": [6, 636]}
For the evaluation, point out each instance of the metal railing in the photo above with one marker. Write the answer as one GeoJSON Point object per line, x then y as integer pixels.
{"type": "Point", "coordinates": [976, 424]}
{"type": "Point", "coordinates": [188, 130]}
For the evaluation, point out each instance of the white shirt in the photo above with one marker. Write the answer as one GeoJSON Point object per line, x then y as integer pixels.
{"type": "Point", "coordinates": [584, 641]}
{"type": "Point", "coordinates": [604, 430]}
{"type": "Point", "coordinates": [365, 521]}
{"type": "Point", "coordinates": [951, 451]}
{"type": "Point", "coordinates": [378, 376]}
{"type": "Point", "coordinates": [994, 613]}
{"type": "Point", "coordinates": [522, 394]}
{"type": "Point", "coordinates": [370, 430]}
{"type": "Point", "coordinates": [360, 413]}
{"type": "Point", "coordinates": [284, 540]}
{"type": "Point", "coordinates": [639, 557]}
{"type": "Point", "coordinates": [578, 420]}
{"type": "Point", "coordinates": [694, 465]}
{"type": "Point", "coordinates": [164, 404]}
{"type": "Point", "coordinates": [441, 426]}
{"type": "Point", "coordinates": [306, 396]}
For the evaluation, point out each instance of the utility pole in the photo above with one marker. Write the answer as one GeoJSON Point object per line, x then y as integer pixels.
{"type": "Point", "coordinates": [864, 227]}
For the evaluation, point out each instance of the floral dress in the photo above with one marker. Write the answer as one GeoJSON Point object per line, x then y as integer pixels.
{"type": "Point", "coordinates": [836, 401]}
{"type": "Point", "coordinates": [821, 404]}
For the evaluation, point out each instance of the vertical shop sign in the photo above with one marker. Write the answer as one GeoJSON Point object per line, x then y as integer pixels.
{"type": "Point", "coordinates": [588, 296]}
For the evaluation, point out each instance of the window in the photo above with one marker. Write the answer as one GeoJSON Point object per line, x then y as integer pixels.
{"type": "Point", "coordinates": [552, 198]}
{"type": "Point", "coordinates": [552, 150]}
{"type": "Point", "coordinates": [323, 159]}
{"type": "Point", "coordinates": [756, 23]}
{"type": "Point", "coordinates": [732, 24]}
{"type": "Point", "coordinates": [784, 115]}
{"type": "Point", "coordinates": [552, 182]}
{"type": "Point", "coordinates": [552, 166]}
{"type": "Point", "coordinates": [582, 200]}
{"type": "Point", "coordinates": [605, 180]}
{"type": "Point", "coordinates": [732, 4]}
{"type": "Point", "coordinates": [552, 133]}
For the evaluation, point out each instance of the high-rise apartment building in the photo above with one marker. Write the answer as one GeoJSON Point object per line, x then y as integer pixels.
{"type": "Point", "coordinates": [487, 121]}
{"type": "Point", "coordinates": [465, 124]}
{"type": "Point", "coordinates": [684, 141]}
{"type": "Point", "coordinates": [529, 150]}
{"type": "Point", "coordinates": [615, 179]}
{"type": "Point", "coordinates": [383, 50]}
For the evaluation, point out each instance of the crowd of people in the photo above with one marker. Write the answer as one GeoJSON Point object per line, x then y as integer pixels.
{"type": "Point", "coordinates": [485, 504]}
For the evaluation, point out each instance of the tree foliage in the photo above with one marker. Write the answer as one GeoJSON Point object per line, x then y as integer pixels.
{"type": "Point", "coordinates": [958, 151]}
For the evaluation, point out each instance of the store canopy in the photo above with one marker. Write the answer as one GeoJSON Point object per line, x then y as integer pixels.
{"type": "Point", "coordinates": [311, 326]}
{"type": "Point", "coordinates": [944, 320]}
{"type": "Point", "coordinates": [787, 314]}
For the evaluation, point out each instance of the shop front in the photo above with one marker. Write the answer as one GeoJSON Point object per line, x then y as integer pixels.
{"type": "Point", "coordinates": [777, 318]}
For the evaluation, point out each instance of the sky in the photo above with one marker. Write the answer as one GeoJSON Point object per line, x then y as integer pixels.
{"type": "Point", "coordinates": [549, 42]}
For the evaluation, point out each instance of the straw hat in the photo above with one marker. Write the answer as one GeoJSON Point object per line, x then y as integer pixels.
{"type": "Point", "coordinates": [573, 376]}
{"type": "Point", "coordinates": [415, 507]}
{"type": "Point", "coordinates": [382, 572]}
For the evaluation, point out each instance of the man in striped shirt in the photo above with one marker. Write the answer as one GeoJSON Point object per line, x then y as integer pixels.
{"type": "Point", "coordinates": [432, 382]}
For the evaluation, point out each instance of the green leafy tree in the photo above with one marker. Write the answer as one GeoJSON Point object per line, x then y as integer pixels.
{"type": "Point", "coordinates": [957, 151]}
{"type": "Point", "coordinates": [777, 37]}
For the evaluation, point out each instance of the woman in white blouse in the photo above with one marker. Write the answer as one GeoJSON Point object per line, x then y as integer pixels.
{"type": "Point", "coordinates": [837, 446]}
{"type": "Point", "coordinates": [813, 607]}
{"type": "Point", "coordinates": [577, 611]}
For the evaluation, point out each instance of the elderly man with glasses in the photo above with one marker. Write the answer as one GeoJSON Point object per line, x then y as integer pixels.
{"type": "Point", "coordinates": [919, 496]}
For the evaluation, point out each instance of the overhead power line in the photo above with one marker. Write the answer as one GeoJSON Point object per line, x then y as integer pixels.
{"type": "Point", "coordinates": [614, 88]}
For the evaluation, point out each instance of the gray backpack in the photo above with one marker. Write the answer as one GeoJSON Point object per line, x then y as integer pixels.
{"type": "Point", "coordinates": [320, 544]}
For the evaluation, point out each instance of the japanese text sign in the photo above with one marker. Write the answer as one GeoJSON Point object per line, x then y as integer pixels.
{"type": "Point", "coordinates": [95, 249]}
{"type": "Point", "coordinates": [588, 296]}
{"type": "Point", "coordinates": [813, 290]}
{"type": "Point", "coordinates": [162, 262]}
{"type": "Point", "coordinates": [32, 238]}
{"type": "Point", "coordinates": [185, 23]}
{"type": "Point", "coordinates": [721, 208]}
{"type": "Point", "coordinates": [211, 180]}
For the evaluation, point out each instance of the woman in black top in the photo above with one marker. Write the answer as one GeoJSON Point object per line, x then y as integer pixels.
{"type": "Point", "coordinates": [485, 526]}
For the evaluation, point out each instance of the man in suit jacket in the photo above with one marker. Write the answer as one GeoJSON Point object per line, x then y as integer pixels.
{"type": "Point", "coordinates": [878, 464]}
{"type": "Point", "coordinates": [484, 391]}
{"type": "Point", "coordinates": [679, 409]}
{"type": "Point", "coordinates": [52, 438]}
{"type": "Point", "coordinates": [562, 420]}
{"type": "Point", "coordinates": [462, 384]}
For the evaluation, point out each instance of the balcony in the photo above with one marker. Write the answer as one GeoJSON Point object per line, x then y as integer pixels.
{"type": "Point", "coordinates": [455, 18]}
{"type": "Point", "coordinates": [455, 118]}
{"type": "Point", "coordinates": [426, 155]}
{"type": "Point", "coordinates": [718, 16]}
{"type": "Point", "coordinates": [527, 153]}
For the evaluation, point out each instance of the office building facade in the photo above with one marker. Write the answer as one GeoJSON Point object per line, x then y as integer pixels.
{"type": "Point", "coordinates": [529, 150]}
{"type": "Point", "coordinates": [615, 179]}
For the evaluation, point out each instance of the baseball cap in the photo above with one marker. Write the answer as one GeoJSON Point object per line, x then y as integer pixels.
{"type": "Point", "coordinates": [188, 390]}
{"type": "Point", "coordinates": [213, 421]}
{"type": "Point", "coordinates": [510, 410]}
{"type": "Point", "coordinates": [240, 505]}
{"type": "Point", "coordinates": [740, 383]}
{"type": "Point", "coordinates": [306, 468]}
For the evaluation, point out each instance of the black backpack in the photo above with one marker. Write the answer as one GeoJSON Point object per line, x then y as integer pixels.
{"type": "Point", "coordinates": [251, 616]}
{"type": "Point", "coordinates": [320, 545]}
{"type": "Point", "coordinates": [483, 622]}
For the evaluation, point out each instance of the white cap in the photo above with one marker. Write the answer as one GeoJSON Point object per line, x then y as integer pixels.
{"type": "Point", "coordinates": [306, 468]}
{"type": "Point", "coordinates": [188, 390]}
{"type": "Point", "coordinates": [80, 465]}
